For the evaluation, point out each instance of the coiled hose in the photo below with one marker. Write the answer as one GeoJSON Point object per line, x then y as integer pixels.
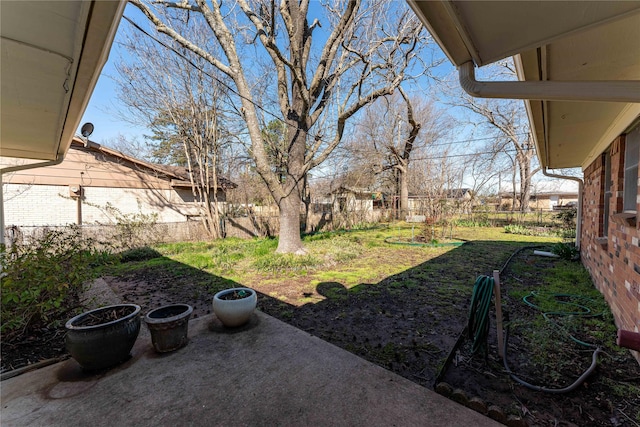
{"type": "Point", "coordinates": [479, 326]}
{"type": "Point", "coordinates": [479, 312]}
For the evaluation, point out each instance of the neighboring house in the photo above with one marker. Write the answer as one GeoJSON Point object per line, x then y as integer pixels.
{"type": "Point", "coordinates": [553, 200]}
{"type": "Point", "coordinates": [579, 72]}
{"type": "Point", "coordinates": [545, 195]}
{"type": "Point", "coordinates": [91, 178]}
{"type": "Point", "coordinates": [356, 199]}
{"type": "Point", "coordinates": [548, 200]}
{"type": "Point", "coordinates": [358, 204]}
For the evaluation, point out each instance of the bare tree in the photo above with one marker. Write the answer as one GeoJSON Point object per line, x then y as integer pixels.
{"type": "Point", "coordinates": [187, 112]}
{"type": "Point", "coordinates": [132, 147]}
{"type": "Point", "coordinates": [506, 117]}
{"type": "Point", "coordinates": [392, 129]}
{"type": "Point", "coordinates": [485, 164]}
{"type": "Point", "coordinates": [364, 54]}
{"type": "Point", "coordinates": [507, 121]}
{"type": "Point", "coordinates": [434, 173]}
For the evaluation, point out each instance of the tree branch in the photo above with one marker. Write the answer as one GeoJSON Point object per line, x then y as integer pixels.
{"type": "Point", "coordinates": [161, 27]}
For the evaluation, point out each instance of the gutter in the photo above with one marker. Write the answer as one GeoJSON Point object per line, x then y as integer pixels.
{"type": "Point", "coordinates": [9, 169]}
{"type": "Point", "coordinates": [594, 90]}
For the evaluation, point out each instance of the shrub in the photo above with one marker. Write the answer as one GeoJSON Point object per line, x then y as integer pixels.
{"type": "Point", "coordinates": [568, 217]}
{"type": "Point", "coordinates": [517, 229]}
{"type": "Point", "coordinates": [131, 230]}
{"type": "Point", "coordinates": [566, 251]}
{"type": "Point", "coordinates": [481, 221]}
{"type": "Point", "coordinates": [42, 281]}
{"type": "Point", "coordinates": [139, 254]}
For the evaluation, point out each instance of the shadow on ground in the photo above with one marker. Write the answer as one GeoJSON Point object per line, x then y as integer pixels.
{"type": "Point", "coordinates": [407, 323]}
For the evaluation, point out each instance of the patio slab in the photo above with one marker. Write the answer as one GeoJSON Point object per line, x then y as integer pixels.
{"type": "Point", "coordinates": [264, 374]}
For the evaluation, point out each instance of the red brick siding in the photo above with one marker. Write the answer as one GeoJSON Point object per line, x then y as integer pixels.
{"type": "Point", "coordinates": [614, 266]}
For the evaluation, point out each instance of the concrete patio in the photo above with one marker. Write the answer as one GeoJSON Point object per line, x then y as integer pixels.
{"type": "Point", "coordinates": [266, 373]}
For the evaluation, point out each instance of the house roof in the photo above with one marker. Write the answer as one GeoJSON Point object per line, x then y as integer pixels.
{"type": "Point", "coordinates": [558, 41]}
{"type": "Point", "coordinates": [52, 53]}
{"type": "Point", "coordinates": [178, 175]}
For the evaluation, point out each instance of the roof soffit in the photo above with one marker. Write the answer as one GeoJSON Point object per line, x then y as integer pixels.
{"type": "Point", "coordinates": [488, 31]}
{"type": "Point", "coordinates": [52, 53]}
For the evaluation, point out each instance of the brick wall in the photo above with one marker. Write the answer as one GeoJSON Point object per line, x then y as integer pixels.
{"type": "Point", "coordinates": [612, 256]}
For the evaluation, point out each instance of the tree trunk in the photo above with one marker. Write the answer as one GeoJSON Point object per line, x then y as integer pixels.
{"type": "Point", "coordinates": [404, 193]}
{"type": "Point", "coordinates": [306, 199]}
{"type": "Point", "coordinates": [514, 195]}
{"type": "Point", "coordinates": [290, 241]}
{"type": "Point", "coordinates": [292, 188]}
{"type": "Point", "coordinates": [525, 182]}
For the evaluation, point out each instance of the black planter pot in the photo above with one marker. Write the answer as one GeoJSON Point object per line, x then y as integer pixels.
{"type": "Point", "coordinates": [103, 345]}
{"type": "Point", "coordinates": [169, 326]}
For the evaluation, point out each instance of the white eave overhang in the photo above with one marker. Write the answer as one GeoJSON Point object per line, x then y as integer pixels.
{"type": "Point", "coordinates": [52, 53]}
{"type": "Point", "coordinates": [594, 46]}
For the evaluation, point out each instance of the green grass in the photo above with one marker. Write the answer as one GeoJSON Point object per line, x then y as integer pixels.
{"type": "Point", "coordinates": [555, 331]}
{"type": "Point", "coordinates": [349, 258]}
{"type": "Point", "coordinates": [340, 265]}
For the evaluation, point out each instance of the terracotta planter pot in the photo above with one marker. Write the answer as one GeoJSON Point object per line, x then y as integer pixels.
{"type": "Point", "coordinates": [169, 326]}
{"type": "Point", "coordinates": [234, 312]}
{"type": "Point", "coordinates": [103, 345]}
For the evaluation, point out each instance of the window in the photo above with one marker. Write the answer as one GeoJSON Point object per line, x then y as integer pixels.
{"type": "Point", "coordinates": [607, 191]}
{"type": "Point", "coordinates": [631, 154]}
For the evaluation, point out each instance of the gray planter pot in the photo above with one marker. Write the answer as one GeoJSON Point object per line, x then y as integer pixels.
{"type": "Point", "coordinates": [169, 326]}
{"type": "Point", "coordinates": [234, 312]}
{"type": "Point", "coordinates": [106, 344]}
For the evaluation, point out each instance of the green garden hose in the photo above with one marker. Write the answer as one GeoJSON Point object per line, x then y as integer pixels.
{"type": "Point", "coordinates": [479, 312]}
{"type": "Point", "coordinates": [579, 310]}
{"type": "Point", "coordinates": [479, 324]}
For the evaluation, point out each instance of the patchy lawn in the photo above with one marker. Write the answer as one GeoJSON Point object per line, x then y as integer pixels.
{"type": "Point", "coordinates": [404, 308]}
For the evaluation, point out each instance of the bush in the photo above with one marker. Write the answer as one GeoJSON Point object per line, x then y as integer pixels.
{"type": "Point", "coordinates": [139, 254]}
{"type": "Point", "coordinates": [518, 229]}
{"type": "Point", "coordinates": [42, 281]}
{"type": "Point", "coordinates": [568, 217]}
{"type": "Point", "coordinates": [566, 251]}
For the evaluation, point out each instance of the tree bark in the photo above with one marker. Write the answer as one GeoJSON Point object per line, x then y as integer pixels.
{"type": "Point", "coordinates": [289, 236]}
{"type": "Point", "coordinates": [404, 192]}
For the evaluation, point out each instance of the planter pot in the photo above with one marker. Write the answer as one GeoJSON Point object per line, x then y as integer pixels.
{"type": "Point", "coordinates": [103, 337]}
{"type": "Point", "coordinates": [234, 312]}
{"type": "Point", "coordinates": [169, 326]}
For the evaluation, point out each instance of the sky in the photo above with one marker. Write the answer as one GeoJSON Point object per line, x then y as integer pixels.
{"type": "Point", "coordinates": [103, 105]}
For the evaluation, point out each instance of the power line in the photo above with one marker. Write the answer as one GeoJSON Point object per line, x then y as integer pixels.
{"type": "Point", "coordinates": [231, 89]}
{"type": "Point", "coordinates": [477, 153]}
{"type": "Point", "coordinates": [259, 107]}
